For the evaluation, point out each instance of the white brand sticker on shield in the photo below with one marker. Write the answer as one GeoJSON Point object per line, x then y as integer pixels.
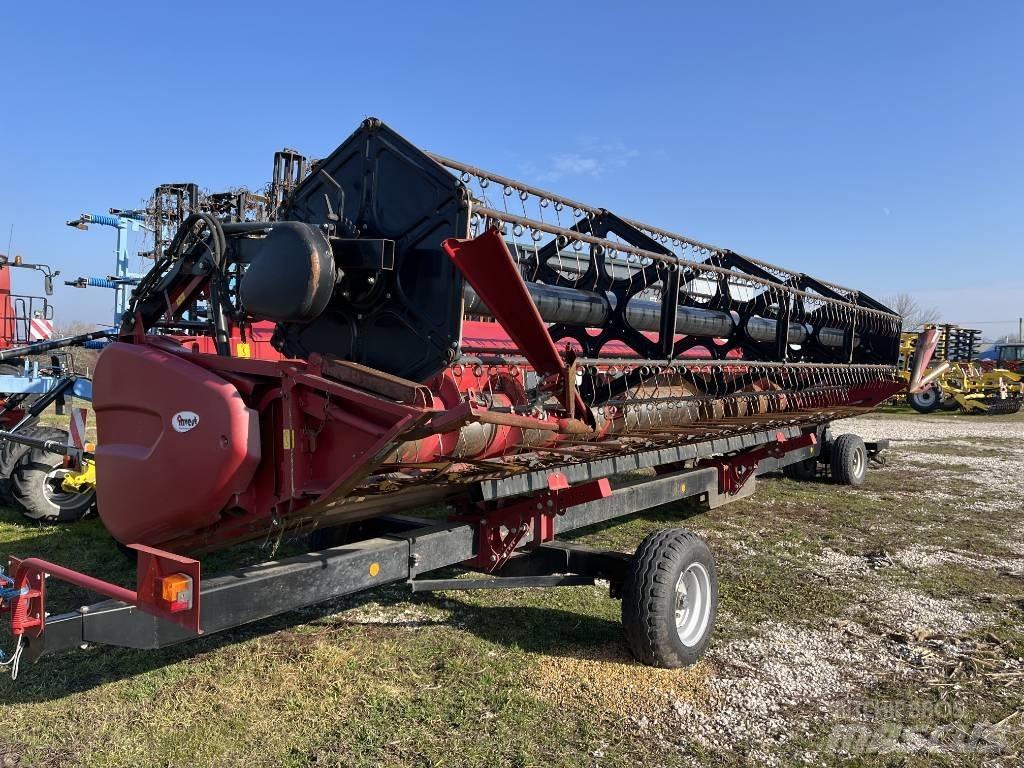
{"type": "Point", "coordinates": [183, 421]}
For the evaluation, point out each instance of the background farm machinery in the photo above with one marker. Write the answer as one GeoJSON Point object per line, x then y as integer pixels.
{"type": "Point", "coordinates": [1008, 356]}
{"type": "Point", "coordinates": [31, 476]}
{"type": "Point", "coordinates": [58, 486]}
{"type": "Point", "coordinates": [445, 335]}
{"type": "Point", "coordinates": [957, 379]}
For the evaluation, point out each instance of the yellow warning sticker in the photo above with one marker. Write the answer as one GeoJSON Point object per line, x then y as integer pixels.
{"type": "Point", "coordinates": [242, 349]}
{"type": "Point", "coordinates": [288, 437]}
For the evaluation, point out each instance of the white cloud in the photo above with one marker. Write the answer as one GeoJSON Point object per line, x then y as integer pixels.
{"type": "Point", "coordinates": [577, 164]}
{"type": "Point", "coordinates": [593, 160]}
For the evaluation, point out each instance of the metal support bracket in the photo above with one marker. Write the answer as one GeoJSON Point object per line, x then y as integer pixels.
{"type": "Point", "coordinates": [735, 471]}
{"type": "Point", "coordinates": [503, 530]}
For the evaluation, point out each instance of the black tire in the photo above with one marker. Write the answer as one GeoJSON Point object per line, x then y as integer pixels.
{"type": "Point", "coordinates": [925, 401]}
{"type": "Point", "coordinates": [35, 490]}
{"type": "Point", "coordinates": [651, 592]}
{"type": "Point", "coordinates": [949, 404]}
{"type": "Point", "coordinates": [10, 454]}
{"type": "Point", "coordinates": [848, 460]}
{"type": "Point", "coordinates": [802, 470]}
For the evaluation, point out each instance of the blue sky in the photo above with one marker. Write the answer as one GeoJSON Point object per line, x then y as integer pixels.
{"type": "Point", "coordinates": [874, 144]}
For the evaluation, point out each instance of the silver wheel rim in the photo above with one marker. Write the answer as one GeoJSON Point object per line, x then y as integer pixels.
{"type": "Point", "coordinates": [858, 463]}
{"type": "Point", "coordinates": [926, 398]}
{"type": "Point", "coordinates": [53, 491]}
{"type": "Point", "coordinates": [693, 604]}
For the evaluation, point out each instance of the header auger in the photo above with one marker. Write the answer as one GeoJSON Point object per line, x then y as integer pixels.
{"type": "Point", "coordinates": [451, 335]}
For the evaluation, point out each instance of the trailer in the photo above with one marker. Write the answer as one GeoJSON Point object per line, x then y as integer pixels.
{"type": "Point", "coordinates": [516, 547]}
{"type": "Point", "coordinates": [449, 336]}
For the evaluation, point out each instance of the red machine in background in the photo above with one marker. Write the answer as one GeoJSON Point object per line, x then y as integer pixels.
{"type": "Point", "coordinates": [448, 335]}
{"type": "Point", "coordinates": [23, 318]}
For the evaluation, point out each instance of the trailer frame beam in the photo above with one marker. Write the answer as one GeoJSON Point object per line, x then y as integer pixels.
{"type": "Point", "coordinates": [400, 549]}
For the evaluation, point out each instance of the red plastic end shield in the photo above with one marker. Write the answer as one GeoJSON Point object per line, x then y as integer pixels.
{"type": "Point", "coordinates": [486, 263]}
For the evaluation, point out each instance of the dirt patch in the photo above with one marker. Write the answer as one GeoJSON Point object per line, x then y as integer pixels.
{"type": "Point", "coordinates": [395, 615]}
{"type": "Point", "coordinates": [609, 681]}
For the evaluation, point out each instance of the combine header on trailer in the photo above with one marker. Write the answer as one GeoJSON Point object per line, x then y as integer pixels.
{"type": "Point", "coordinates": [451, 336]}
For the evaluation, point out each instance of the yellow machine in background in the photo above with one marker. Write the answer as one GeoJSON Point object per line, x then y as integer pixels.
{"type": "Point", "coordinates": [955, 380]}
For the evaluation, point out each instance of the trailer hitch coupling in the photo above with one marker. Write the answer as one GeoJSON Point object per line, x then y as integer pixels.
{"type": "Point", "coordinates": [167, 586]}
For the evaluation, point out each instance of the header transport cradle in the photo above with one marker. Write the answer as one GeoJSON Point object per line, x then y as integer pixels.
{"type": "Point", "coordinates": [446, 335]}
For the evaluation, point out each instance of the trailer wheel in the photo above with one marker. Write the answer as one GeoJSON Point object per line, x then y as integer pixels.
{"type": "Point", "coordinates": [849, 460]}
{"type": "Point", "coordinates": [802, 470]}
{"type": "Point", "coordinates": [36, 484]}
{"type": "Point", "coordinates": [925, 401]}
{"type": "Point", "coordinates": [670, 599]}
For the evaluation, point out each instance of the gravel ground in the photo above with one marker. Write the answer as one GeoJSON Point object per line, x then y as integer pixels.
{"type": "Point", "coordinates": [779, 684]}
{"type": "Point", "coordinates": [757, 695]}
{"type": "Point", "coordinates": [992, 448]}
{"type": "Point", "coordinates": [919, 427]}
{"type": "Point", "coordinates": [919, 557]}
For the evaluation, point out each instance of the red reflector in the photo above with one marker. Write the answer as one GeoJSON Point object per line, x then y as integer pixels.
{"type": "Point", "coordinates": [174, 592]}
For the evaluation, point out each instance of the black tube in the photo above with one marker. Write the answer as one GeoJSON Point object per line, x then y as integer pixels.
{"type": "Point", "coordinates": [45, 346]}
{"type": "Point", "coordinates": [218, 290]}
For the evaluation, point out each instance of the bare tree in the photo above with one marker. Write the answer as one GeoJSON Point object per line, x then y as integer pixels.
{"type": "Point", "coordinates": [73, 328]}
{"type": "Point", "coordinates": [83, 360]}
{"type": "Point", "coordinates": [915, 316]}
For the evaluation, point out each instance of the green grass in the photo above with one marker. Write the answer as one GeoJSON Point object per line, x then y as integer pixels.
{"type": "Point", "coordinates": [511, 678]}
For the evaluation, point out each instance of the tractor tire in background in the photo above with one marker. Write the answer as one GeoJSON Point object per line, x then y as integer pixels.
{"type": "Point", "coordinates": [10, 454]}
{"type": "Point", "coordinates": [926, 401]}
{"type": "Point", "coordinates": [949, 404]}
{"type": "Point", "coordinates": [35, 484]}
